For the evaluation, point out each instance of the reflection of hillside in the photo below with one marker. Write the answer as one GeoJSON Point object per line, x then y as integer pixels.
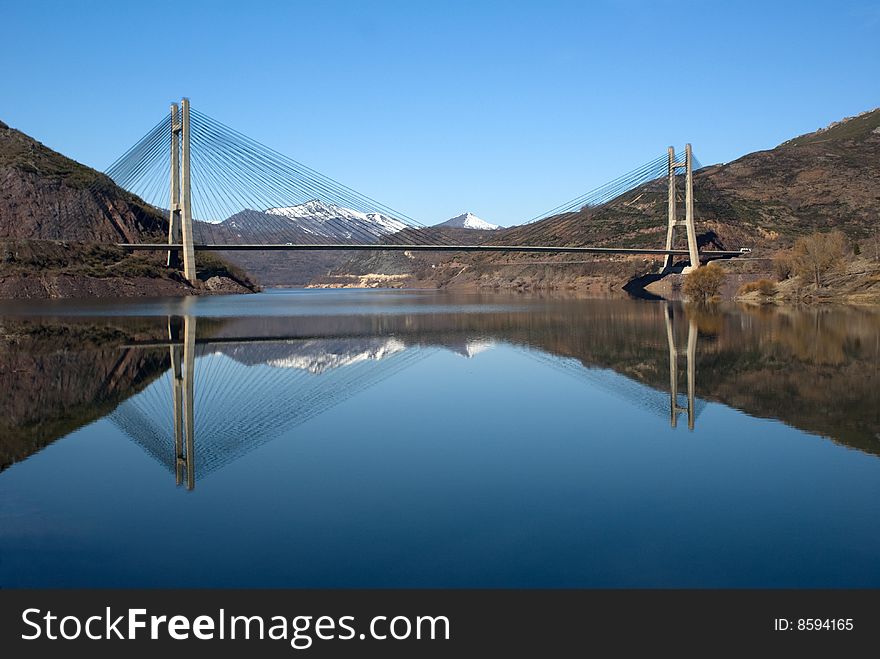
{"type": "Point", "coordinates": [814, 369]}
{"type": "Point", "coordinates": [49, 388]}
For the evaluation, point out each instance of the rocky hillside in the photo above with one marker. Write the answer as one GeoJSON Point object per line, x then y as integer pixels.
{"type": "Point", "coordinates": [45, 195]}
{"type": "Point", "coordinates": [764, 200]}
{"type": "Point", "coordinates": [819, 181]}
{"type": "Point", "coordinates": [59, 220]}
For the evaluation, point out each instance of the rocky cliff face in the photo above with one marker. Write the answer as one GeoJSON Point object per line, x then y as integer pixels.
{"type": "Point", "coordinates": [59, 221]}
{"type": "Point", "coordinates": [45, 195]}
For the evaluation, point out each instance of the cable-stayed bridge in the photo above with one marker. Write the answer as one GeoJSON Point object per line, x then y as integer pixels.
{"type": "Point", "coordinates": [223, 397]}
{"type": "Point", "coordinates": [222, 190]}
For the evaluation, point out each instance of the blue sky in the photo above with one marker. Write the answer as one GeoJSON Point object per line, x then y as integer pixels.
{"type": "Point", "coordinates": [504, 109]}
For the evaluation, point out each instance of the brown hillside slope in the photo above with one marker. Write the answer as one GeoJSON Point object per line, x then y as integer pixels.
{"type": "Point", "coordinates": [45, 195]}
{"type": "Point", "coordinates": [59, 221]}
{"type": "Point", "coordinates": [829, 179]}
{"type": "Point", "coordinates": [819, 181]}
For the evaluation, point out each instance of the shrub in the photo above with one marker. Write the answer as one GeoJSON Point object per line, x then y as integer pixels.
{"type": "Point", "coordinates": [764, 287]}
{"type": "Point", "coordinates": [704, 283]}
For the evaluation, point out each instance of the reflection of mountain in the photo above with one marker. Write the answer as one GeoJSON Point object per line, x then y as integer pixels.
{"type": "Point", "coordinates": [471, 347]}
{"type": "Point", "coordinates": [248, 404]}
{"type": "Point", "coordinates": [317, 355]}
{"type": "Point", "coordinates": [815, 369]}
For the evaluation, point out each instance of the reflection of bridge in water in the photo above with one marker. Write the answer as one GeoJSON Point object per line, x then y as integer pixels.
{"type": "Point", "coordinates": [672, 403]}
{"type": "Point", "coordinates": [230, 395]}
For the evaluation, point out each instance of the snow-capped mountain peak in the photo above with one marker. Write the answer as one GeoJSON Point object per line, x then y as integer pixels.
{"type": "Point", "coordinates": [314, 213]}
{"type": "Point", "coordinates": [468, 221]}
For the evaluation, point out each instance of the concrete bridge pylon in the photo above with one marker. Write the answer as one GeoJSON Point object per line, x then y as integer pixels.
{"type": "Point", "coordinates": [180, 228]}
{"type": "Point", "coordinates": [673, 223]}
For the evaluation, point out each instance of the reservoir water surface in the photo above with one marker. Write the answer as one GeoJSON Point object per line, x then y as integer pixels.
{"type": "Point", "coordinates": [352, 438]}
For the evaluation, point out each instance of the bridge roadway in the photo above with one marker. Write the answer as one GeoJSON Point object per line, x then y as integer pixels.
{"type": "Point", "coordinates": [710, 254]}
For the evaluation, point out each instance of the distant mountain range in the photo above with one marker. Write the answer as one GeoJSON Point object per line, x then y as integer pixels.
{"type": "Point", "coordinates": [331, 220]}
{"type": "Point", "coordinates": [310, 222]}
{"type": "Point", "coordinates": [318, 222]}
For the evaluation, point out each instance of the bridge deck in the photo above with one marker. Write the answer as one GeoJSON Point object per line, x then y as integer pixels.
{"type": "Point", "coordinates": [430, 248]}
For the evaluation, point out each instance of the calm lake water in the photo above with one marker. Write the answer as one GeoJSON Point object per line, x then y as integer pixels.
{"type": "Point", "coordinates": [421, 439]}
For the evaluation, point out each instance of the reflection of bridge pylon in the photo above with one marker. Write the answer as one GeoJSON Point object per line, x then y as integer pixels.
{"type": "Point", "coordinates": [242, 403]}
{"type": "Point", "coordinates": [255, 388]}
{"type": "Point", "coordinates": [674, 353]}
{"type": "Point", "coordinates": [182, 376]}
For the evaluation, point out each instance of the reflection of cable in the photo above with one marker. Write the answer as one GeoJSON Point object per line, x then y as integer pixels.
{"type": "Point", "coordinates": [616, 384]}
{"type": "Point", "coordinates": [239, 407]}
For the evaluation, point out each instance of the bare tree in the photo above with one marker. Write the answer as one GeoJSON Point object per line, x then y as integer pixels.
{"type": "Point", "coordinates": [813, 256]}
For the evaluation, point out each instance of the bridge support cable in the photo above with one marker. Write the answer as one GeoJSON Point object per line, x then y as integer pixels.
{"type": "Point", "coordinates": [270, 188]}
{"type": "Point", "coordinates": [238, 190]}
{"type": "Point", "coordinates": [565, 220]}
{"type": "Point", "coordinates": [228, 192]}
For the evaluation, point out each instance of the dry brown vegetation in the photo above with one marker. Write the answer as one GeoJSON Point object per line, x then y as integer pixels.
{"type": "Point", "coordinates": [815, 255]}
{"type": "Point", "coordinates": [764, 287]}
{"type": "Point", "coordinates": [703, 284]}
